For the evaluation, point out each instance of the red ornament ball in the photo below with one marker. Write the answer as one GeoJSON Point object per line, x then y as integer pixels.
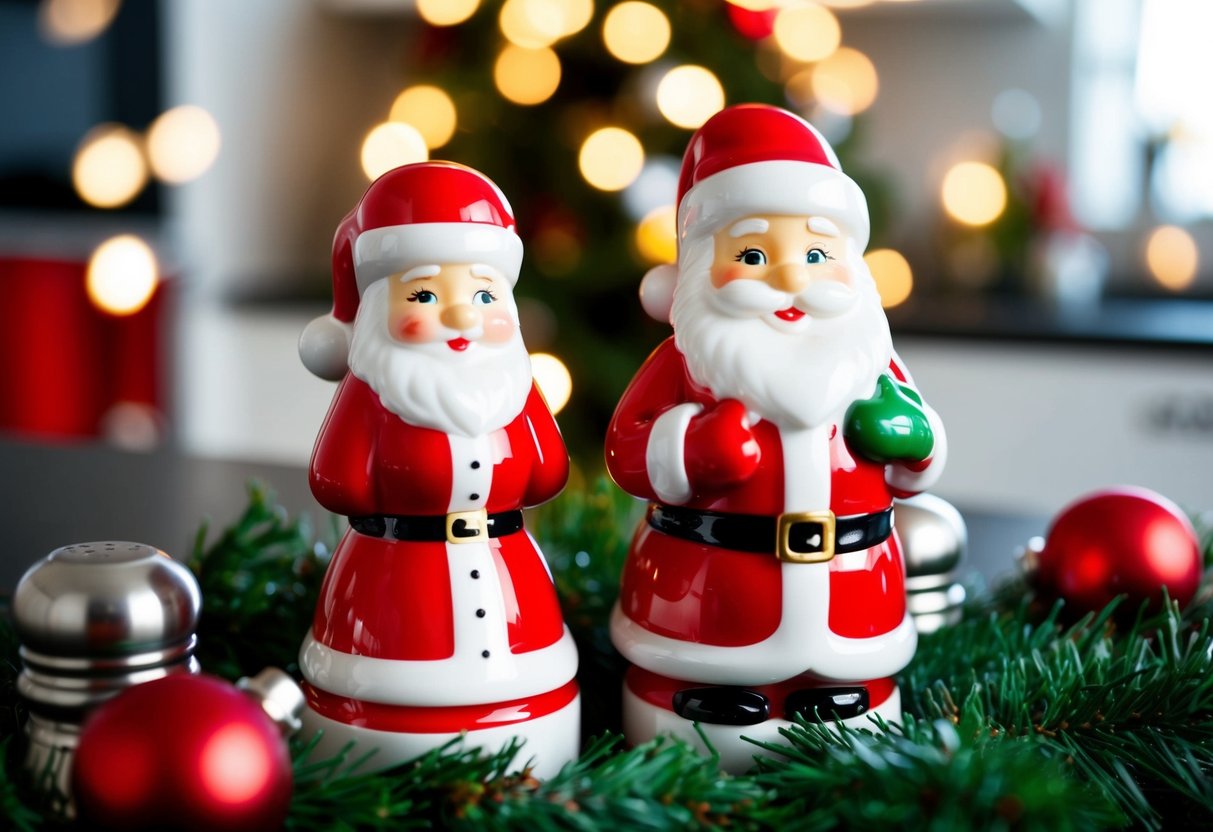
{"type": "Point", "coordinates": [1123, 540]}
{"type": "Point", "coordinates": [182, 752]}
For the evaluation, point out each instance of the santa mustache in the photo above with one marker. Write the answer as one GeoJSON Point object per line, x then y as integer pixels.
{"type": "Point", "coordinates": [747, 298]}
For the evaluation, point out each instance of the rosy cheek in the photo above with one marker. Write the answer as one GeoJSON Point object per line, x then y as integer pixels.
{"type": "Point", "coordinates": [727, 274]}
{"type": "Point", "coordinates": [499, 327]}
{"type": "Point", "coordinates": [412, 329]}
{"type": "Point", "coordinates": [836, 272]}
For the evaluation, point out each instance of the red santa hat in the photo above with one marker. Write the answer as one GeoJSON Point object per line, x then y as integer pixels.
{"type": "Point", "coordinates": [416, 215]}
{"type": "Point", "coordinates": [756, 159]}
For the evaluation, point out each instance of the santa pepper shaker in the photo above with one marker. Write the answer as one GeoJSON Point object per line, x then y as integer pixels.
{"type": "Point", "coordinates": [94, 619]}
{"type": "Point", "coordinates": [770, 436]}
{"type": "Point", "coordinates": [437, 617]}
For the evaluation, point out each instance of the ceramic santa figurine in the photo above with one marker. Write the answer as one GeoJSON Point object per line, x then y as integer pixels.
{"type": "Point", "coordinates": [437, 615]}
{"type": "Point", "coordinates": [770, 435]}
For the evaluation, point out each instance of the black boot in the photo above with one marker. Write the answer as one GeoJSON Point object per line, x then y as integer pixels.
{"type": "Point", "coordinates": [826, 704]}
{"type": "Point", "coordinates": [722, 705]}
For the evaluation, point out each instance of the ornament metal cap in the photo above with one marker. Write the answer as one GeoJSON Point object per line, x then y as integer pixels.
{"type": "Point", "coordinates": [279, 696]}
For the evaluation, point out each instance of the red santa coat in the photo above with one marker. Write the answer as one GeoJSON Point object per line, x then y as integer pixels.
{"type": "Point", "coordinates": [435, 623]}
{"type": "Point", "coordinates": [677, 593]}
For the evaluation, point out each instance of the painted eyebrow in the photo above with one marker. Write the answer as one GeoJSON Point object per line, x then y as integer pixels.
{"type": "Point", "coordinates": [484, 272]}
{"type": "Point", "coordinates": [419, 272]}
{"type": "Point", "coordinates": [820, 225]}
{"type": "Point", "coordinates": [750, 226]}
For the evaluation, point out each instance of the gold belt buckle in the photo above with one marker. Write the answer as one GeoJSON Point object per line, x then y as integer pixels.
{"type": "Point", "coordinates": [467, 526]}
{"type": "Point", "coordinates": [783, 530]}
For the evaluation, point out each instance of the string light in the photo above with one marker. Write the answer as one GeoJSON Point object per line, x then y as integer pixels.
{"type": "Point", "coordinates": [390, 145]}
{"type": "Point", "coordinates": [754, 5]}
{"type": "Point", "coordinates": [657, 235]}
{"type": "Point", "coordinates": [532, 24]}
{"type": "Point", "coordinates": [974, 193]}
{"type": "Point", "coordinates": [611, 158]}
{"type": "Point", "coordinates": [72, 22]}
{"type": "Point", "coordinates": [807, 32]}
{"type": "Point", "coordinates": [122, 275]}
{"type": "Point", "coordinates": [636, 32]}
{"type": "Point", "coordinates": [1172, 257]}
{"type": "Point", "coordinates": [554, 380]}
{"type": "Point", "coordinates": [577, 15]}
{"type": "Point", "coordinates": [526, 76]}
{"type": "Point", "coordinates": [446, 12]}
{"type": "Point", "coordinates": [891, 271]}
{"type": "Point", "coordinates": [109, 171]}
{"type": "Point", "coordinates": [689, 95]}
{"type": "Point", "coordinates": [845, 82]}
{"type": "Point", "coordinates": [182, 144]}
{"type": "Point", "coordinates": [430, 110]}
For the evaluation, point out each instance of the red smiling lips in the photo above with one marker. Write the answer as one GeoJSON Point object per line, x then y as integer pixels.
{"type": "Point", "coordinates": [789, 314]}
{"type": "Point", "coordinates": [458, 344]}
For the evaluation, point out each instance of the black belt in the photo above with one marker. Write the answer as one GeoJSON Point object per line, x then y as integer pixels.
{"type": "Point", "coordinates": [805, 537]}
{"type": "Point", "coordinates": [456, 527]}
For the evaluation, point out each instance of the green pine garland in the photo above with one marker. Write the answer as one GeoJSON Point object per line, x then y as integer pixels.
{"type": "Point", "coordinates": [1015, 718]}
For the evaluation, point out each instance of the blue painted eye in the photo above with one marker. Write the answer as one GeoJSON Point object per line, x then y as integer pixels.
{"type": "Point", "coordinates": [752, 257]}
{"type": "Point", "coordinates": [484, 296]}
{"type": "Point", "coordinates": [816, 255]}
{"type": "Point", "coordinates": [423, 296]}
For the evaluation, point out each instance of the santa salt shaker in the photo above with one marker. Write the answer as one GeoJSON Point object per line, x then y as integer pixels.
{"type": "Point", "coordinates": [437, 615]}
{"type": "Point", "coordinates": [770, 435]}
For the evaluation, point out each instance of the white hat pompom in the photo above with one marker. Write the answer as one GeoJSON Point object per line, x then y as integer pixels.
{"type": "Point", "coordinates": [324, 347]}
{"type": "Point", "coordinates": [657, 291]}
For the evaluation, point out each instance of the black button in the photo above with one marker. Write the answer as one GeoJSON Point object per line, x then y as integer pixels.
{"type": "Point", "coordinates": [473, 496]}
{"type": "Point", "coordinates": [475, 573]}
{"type": "Point", "coordinates": [722, 705]}
{"type": "Point", "coordinates": [485, 654]}
{"type": "Point", "coordinates": [480, 613]}
{"type": "Point", "coordinates": [475, 464]}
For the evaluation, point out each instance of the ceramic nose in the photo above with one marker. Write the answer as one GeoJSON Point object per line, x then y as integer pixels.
{"type": "Point", "coordinates": [788, 277]}
{"type": "Point", "coordinates": [462, 316]}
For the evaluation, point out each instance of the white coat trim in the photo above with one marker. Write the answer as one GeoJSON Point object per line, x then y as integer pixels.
{"type": "Point", "coordinates": [379, 252]}
{"type": "Point", "coordinates": [665, 454]}
{"type": "Point", "coordinates": [788, 652]}
{"type": "Point", "coordinates": [903, 479]}
{"type": "Point", "coordinates": [464, 679]}
{"type": "Point", "coordinates": [551, 741]}
{"type": "Point", "coordinates": [643, 720]}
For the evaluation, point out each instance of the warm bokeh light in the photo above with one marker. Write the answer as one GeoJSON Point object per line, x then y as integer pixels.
{"type": "Point", "coordinates": [533, 24]}
{"type": "Point", "coordinates": [846, 4]}
{"type": "Point", "coordinates": [636, 32]}
{"type": "Point", "coordinates": [446, 12]}
{"type": "Point", "coordinates": [430, 110]}
{"type": "Point", "coordinates": [689, 95]}
{"type": "Point", "coordinates": [1172, 257]}
{"type": "Point", "coordinates": [70, 22]}
{"type": "Point", "coordinates": [526, 76]}
{"type": "Point", "coordinates": [577, 15]}
{"type": "Point", "coordinates": [390, 145]}
{"type": "Point", "coordinates": [553, 379]}
{"type": "Point", "coordinates": [974, 193]}
{"type": "Point", "coordinates": [122, 275]}
{"type": "Point", "coordinates": [611, 159]}
{"type": "Point", "coordinates": [845, 82]}
{"type": "Point", "coordinates": [182, 144]}
{"type": "Point", "coordinates": [892, 274]}
{"type": "Point", "coordinates": [807, 32]}
{"type": "Point", "coordinates": [657, 235]}
{"type": "Point", "coordinates": [109, 170]}
{"type": "Point", "coordinates": [754, 5]}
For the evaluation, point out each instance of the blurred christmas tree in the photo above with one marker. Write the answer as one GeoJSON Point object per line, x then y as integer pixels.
{"type": "Point", "coordinates": [581, 113]}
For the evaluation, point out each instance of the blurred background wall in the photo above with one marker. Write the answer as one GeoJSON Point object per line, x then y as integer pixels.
{"type": "Point", "coordinates": [1038, 173]}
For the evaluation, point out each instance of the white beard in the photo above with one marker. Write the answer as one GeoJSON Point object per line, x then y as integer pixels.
{"type": "Point", "coordinates": [466, 393]}
{"type": "Point", "coordinates": [796, 380]}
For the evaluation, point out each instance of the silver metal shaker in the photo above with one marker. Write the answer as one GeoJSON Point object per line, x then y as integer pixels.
{"type": "Point", "coordinates": [94, 619]}
{"type": "Point", "coordinates": [933, 540]}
